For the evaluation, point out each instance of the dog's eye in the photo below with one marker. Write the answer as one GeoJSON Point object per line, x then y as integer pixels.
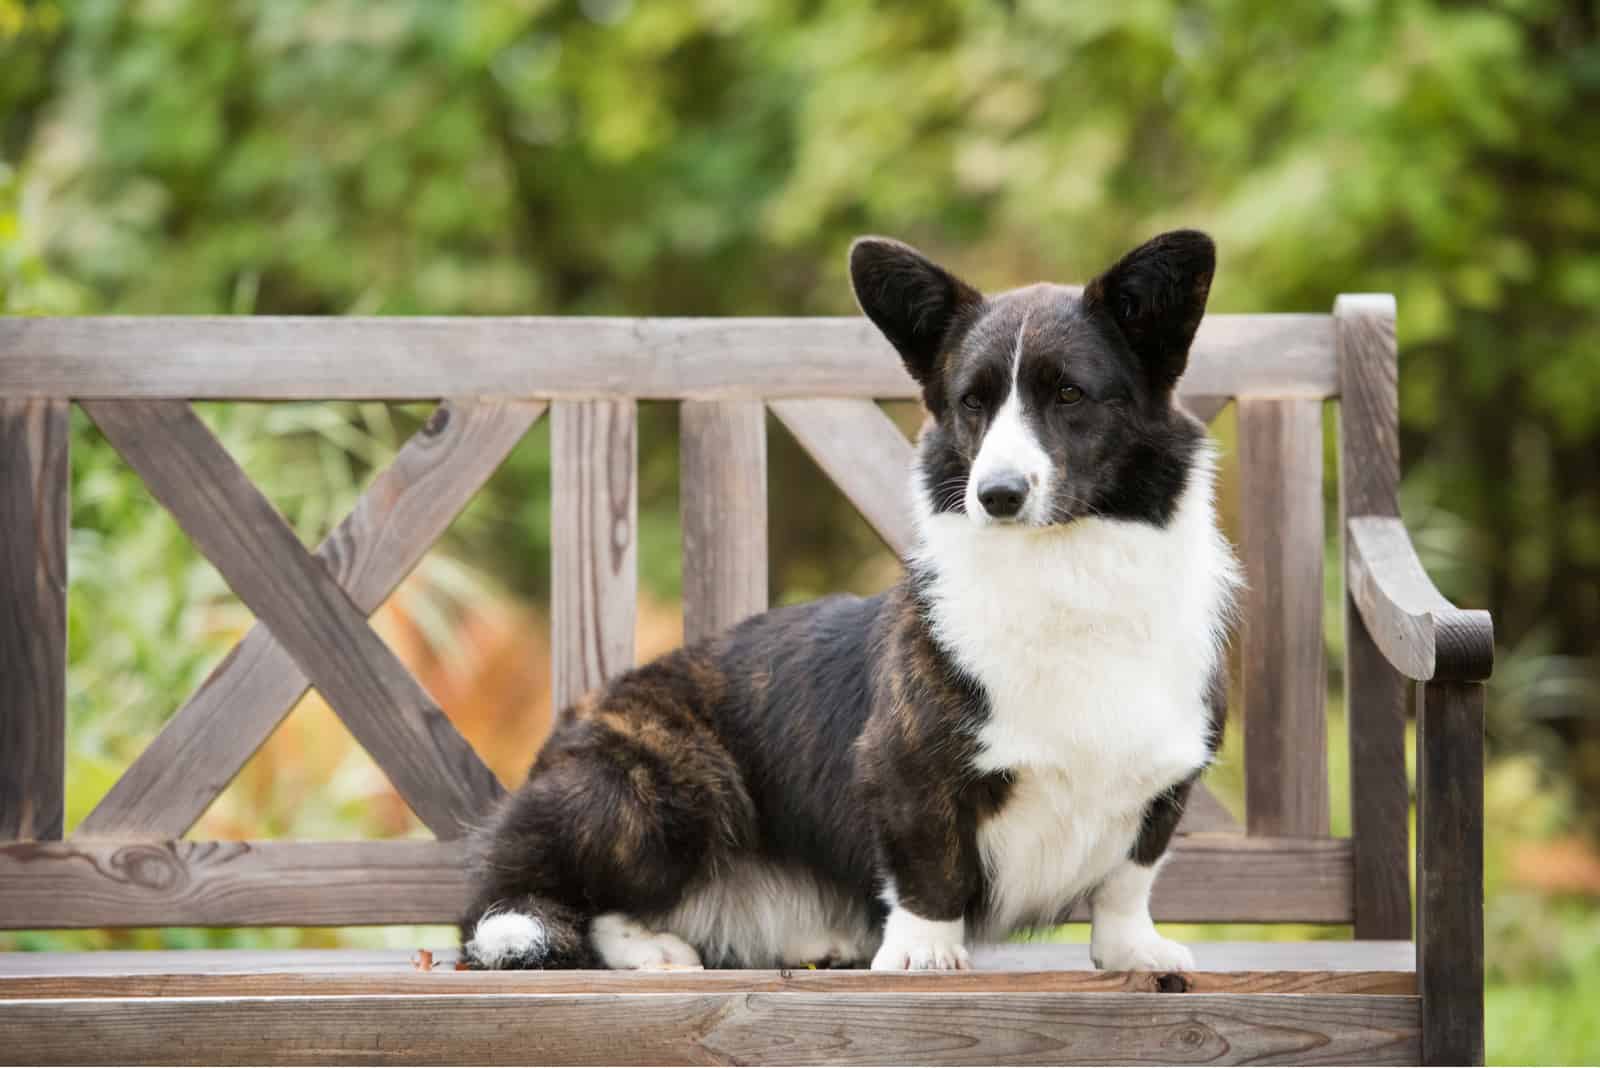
{"type": "Point", "coordinates": [1069, 394]}
{"type": "Point", "coordinates": [971, 403]}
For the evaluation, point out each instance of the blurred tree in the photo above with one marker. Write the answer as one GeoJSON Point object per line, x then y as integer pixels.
{"type": "Point", "coordinates": [714, 157]}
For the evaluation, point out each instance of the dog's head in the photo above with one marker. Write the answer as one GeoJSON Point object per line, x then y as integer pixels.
{"type": "Point", "coordinates": [1048, 404]}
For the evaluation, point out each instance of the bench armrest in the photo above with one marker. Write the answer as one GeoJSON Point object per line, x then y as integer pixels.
{"type": "Point", "coordinates": [1420, 633]}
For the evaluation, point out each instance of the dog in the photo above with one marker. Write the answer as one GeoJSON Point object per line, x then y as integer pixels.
{"type": "Point", "coordinates": [1012, 729]}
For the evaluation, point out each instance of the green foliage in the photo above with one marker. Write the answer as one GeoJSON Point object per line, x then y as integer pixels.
{"type": "Point", "coordinates": [715, 157]}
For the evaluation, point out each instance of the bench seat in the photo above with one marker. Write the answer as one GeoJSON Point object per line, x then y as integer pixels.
{"type": "Point", "coordinates": [1282, 1002]}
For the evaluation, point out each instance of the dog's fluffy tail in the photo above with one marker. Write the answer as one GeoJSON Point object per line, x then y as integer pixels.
{"type": "Point", "coordinates": [526, 931]}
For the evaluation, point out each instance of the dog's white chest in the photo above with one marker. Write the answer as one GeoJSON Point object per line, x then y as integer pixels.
{"type": "Point", "coordinates": [1095, 647]}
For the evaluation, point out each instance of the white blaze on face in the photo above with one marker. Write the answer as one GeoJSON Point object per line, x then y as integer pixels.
{"type": "Point", "coordinates": [1010, 447]}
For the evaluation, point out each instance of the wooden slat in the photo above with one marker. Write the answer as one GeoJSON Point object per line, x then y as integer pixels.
{"type": "Point", "coordinates": [723, 494]}
{"type": "Point", "coordinates": [444, 979]}
{"type": "Point", "coordinates": [1284, 666]}
{"type": "Point", "coordinates": [1420, 633]}
{"type": "Point", "coordinates": [1204, 814]}
{"type": "Point", "coordinates": [407, 507]}
{"type": "Point", "coordinates": [393, 358]}
{"type": "Point", "coordinates": [864, 453]}
{"type": "Point", "coordinates": [1206, 407]}
{"type": "Point", "coordinates": [293, 593]}
{"type": "Point", "coordinates": [1014, 967]}
{"type": "Point", "coordinates": [1375, 693]}
{"type": "Point", "coordinates": [739, 1028]}
{"type": "Point", "coordinates": [108, 883]}
{"type": "Point", "coordinates": [100, 882]}
{"type": "Point", "coordinates": [34, 477]}
{"type": "Point", "coordinates": [594, 539]}
{"type": "Point", "coordinates": [1450, 870]}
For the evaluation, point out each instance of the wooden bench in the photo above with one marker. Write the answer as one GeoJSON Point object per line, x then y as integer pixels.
{"type": "Point", "coordinates": [1380, 997]}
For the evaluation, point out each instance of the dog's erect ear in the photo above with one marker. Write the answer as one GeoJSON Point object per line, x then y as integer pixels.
{"type": "Point", "coordinates": [1156, 295]}
{"type": "Point", "coordinates": [910, 298]}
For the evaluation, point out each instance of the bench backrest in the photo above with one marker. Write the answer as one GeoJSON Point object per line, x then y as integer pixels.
{"type": "Point", "coordinates": [127, 863]}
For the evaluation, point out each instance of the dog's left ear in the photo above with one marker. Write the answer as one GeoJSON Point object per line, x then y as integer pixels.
{"type": "Point", "coordinates": [1156, 295]}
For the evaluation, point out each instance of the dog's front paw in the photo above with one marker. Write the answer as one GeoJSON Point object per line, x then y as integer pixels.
{"type": "Point", "coordinates": [1139, 949]}
{"type": "Point", "coordinates": [932, 955]}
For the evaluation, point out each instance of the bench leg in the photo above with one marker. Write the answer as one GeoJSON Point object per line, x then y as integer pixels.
{"type": "Point", "coordinates": [1450, 870]}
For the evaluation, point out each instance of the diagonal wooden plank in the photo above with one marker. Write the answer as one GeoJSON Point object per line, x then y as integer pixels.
{"type": "Point", "coordinates": [292, 592]}
{"type": "Point", "coordinates": [33, 615]}
{"type": "Point", "coordinates": [864, 453]}
{"type": "Point", "coordinates": [1204, 814]}
{"type": "Point", "coordinates": [407, 507]}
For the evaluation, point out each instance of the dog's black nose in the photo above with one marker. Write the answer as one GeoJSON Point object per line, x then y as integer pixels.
{"type": "Point", "coordinates": [1002, 495]}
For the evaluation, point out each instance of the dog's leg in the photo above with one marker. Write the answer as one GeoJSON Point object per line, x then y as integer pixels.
{"type": "Point", "coordinates": [623, 942]}
{"type": "Point", "coordinates": [1125, 938]}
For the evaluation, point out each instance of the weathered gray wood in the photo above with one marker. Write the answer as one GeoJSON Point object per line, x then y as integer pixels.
{"type": "Point", "coordinates": [723, 494]}
{"type": "Point", "coordinates": [594, 519]}
{"type": "Point", "coordinates": [407, 507]}
{"type": "Point", "coordinates": [1450, 870]}
{"type": "Point", "coordinates": [1205, 407]}
{"type": "Point", "coordinates": [864, 453]}
{"type": "Point", "coordinates": [294, 594]}
{"type": "Point", "coordinates": [1036, 967]}
{"type": "Point", "coordinates": [1284, 673]}
{"type": "Point", "coordinates": [97, 882]}
{"type": "Point", "coordinates": [444, 979]}
{"type": "Point", "coordinates": [1420, 633]}
{"type": "Point", "coordinates": [762, 1028]}
{"type": "Point", "coordinates": [1375, 693]}
{"type": "Point", "coordinates": [102, 882]}
{"type": "Point", "coordinates": [1204, 814]}
{"type": "Point", "coordinates": [391, 358]}
{"type": "Point", "coordinates": [34, 477]}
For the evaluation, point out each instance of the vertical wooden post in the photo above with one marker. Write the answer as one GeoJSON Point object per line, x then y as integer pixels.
{"type": "Point", "coordinates": [723, 493]}
{"type": "Point", "coordinates": [594, 521]}
{"type": "Point", "coordinates": [1284, 676]}
{"type": "Point", "coordinates": [1450, 870]}
{"type": "Point", "coordinates": [1375, 693]}
{"type": "Point", "coordinates": [34, 478]}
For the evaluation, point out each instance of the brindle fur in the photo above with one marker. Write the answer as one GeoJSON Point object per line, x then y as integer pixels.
{"type": "Point", "coordinates": [836, 735]}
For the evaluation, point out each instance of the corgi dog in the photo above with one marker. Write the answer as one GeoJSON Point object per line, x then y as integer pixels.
{"type": "Point", "coordinates": [1012, 729]}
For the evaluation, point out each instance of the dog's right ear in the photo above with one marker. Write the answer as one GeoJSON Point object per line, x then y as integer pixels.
{"type": "Point", "coordinates": [911, 299]}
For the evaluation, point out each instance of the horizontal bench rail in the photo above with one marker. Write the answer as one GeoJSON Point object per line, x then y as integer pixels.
{"type": "Point", "coordinates": [105, 882]}
{"type": "Point", "coordinates": [264, 358]}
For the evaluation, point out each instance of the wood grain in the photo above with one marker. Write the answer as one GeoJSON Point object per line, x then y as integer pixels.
{"type": "Point", "coordinates": [404, 978]}
{"type": "Point", "coordinates": [1420, 633]}
{"type": "Point", "coordinates": [1375, 693]}
{"type": "Point", "coordinates": [780, 1028]}
{"type": "Point", "coordinates": [34, 479]}
{"type": "Point", "coordinates": [105, 883]}
{"type": "Point", "coordinates": [96, 882]}
{"type": "Point", "coordinates": [864, 453]}
{"type": "Point", "coordinates": [594, 542]}
{"type": "Point", "coordinates": [1284, 665]}
{"type": "Point", "coordinates": [294, 594]}
{"type": "Point", "coordinates": [1450, 870]}
{"type": "Point", "coordinates": [407, 507]}
{"type": "Point", "coordinates": [1230, 966]}
{"type": "Point", "coordinates": [723, 490]}
{"type": "Point", "coordinates": [393, 358]}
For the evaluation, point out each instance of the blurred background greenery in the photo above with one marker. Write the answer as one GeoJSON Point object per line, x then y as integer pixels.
{"type": "Point", "coordinates": [713, 157]}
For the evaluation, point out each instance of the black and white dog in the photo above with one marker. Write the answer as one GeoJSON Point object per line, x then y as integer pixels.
{"type": "Point", "coordinates": [1011, 729]}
